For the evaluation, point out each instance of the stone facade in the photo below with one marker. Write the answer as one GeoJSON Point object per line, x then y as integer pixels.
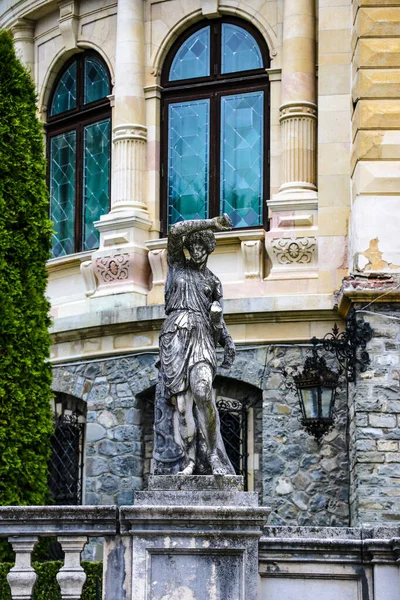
{"type": "Point", "coordinates": [332, 210]}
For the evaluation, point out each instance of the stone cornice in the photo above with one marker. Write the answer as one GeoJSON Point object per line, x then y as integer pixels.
{"type": "Point", "coordinates": [149, 318]}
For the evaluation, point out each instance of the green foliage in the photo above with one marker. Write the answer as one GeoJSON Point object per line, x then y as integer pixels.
{"type": "Point", "coordinates": [46, 587]}
{"type": "Point", "coordinates": [25, 375]}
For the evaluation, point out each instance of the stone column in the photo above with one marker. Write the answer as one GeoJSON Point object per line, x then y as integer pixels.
{"type": "Point", "coordinates": [298, 111]}
{"type": "Point", "coordinates": [129, 117]}
{"type": "Point", "coordinates": [23, 31]}
{"type": "Point", "coordinates": [120, 265]}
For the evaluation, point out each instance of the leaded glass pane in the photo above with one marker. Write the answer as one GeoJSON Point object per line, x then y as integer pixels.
{"type": "Point", "coordinates": [242, 158]}
{"type": "Point", "coordinates": [240, 51]}
{"type": "Point", "coordinates": [96, 178]}
{"type": "Point", "coordinates": [62, 192]}
{"type": "Point", "coordinates": [65, 95]}
{"type": "Point", "coordinates": [97, 81]}
{"type": "Point", "coordinates": [188, 157]}
{"type": "Point", "coordinates": [193, 57]}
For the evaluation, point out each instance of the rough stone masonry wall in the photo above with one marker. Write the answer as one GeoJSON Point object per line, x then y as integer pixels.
{"type": "Point", "coordinates": [115, 454]}
{"type": "Point", "coordinates": [305, 484]}
{"type": "Point", "coordinates": [375, 424]}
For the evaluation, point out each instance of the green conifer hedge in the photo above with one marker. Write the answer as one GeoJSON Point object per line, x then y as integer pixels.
{"type": "Point", "coordinates": [25, 374]}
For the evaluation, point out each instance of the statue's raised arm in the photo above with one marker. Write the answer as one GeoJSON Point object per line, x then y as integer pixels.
{"type": "Point", "coordinates": [188, 437]}
{"type": "Point", "coordinates": [179, 231]}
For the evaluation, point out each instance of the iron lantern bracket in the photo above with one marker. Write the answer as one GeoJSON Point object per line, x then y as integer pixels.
{"type": "Point", "coordinates": [349, 345]}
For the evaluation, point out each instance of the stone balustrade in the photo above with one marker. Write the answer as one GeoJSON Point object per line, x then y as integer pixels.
{"type": "Point", "coordinates": [329, 562]}
{"type": "Point", "coordinates": [72, 525]}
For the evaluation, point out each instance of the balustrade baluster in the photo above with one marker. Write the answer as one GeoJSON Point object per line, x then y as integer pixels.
{"type": "Point", "coordinates": [22, 576]}
{"type": "Point", "coordinates": [71, 576]}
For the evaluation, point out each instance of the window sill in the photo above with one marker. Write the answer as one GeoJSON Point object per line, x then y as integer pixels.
{"type": "Point", "coordinates": [67, 262]}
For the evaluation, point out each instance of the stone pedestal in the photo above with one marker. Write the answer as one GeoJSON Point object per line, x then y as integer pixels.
{"type": "Point", "coordinates": [189, 538]}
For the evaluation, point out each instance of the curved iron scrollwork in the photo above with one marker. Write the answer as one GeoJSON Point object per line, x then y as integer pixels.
{"type": "Point", "coordinates": [345, 344]}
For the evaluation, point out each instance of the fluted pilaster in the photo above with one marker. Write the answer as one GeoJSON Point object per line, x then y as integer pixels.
{"type": "Point", "coordinates": [298, 111]}
{"type": "Point", "coordinates": [129, 146]}
{"type": "Point", "coordinates": [299, 137]}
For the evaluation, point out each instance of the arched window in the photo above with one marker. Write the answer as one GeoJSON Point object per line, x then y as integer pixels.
{"type": "Point", "coordinates": [67, 444]}
{"type": "Point", "coordinates": [214, 151]}
{"type": "Point", "coordinates": [78, 144]}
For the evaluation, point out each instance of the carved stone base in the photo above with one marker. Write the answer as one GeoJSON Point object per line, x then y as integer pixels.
{"type": "Point", "coordinates": [121, 264]}
{"type": "Point", "coordinates": [198, 540]}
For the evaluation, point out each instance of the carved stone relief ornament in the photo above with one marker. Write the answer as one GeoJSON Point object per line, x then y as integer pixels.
{"type": "Point", "coordinates": [294, 250]}
{"type": "Point", "coordinates": [112, 268]}
{"type": "Point", "coordinates": [292, 256]}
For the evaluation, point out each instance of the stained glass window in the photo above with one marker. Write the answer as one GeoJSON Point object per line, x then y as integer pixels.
{"type": "Point", "coordinates": [242, 158]}
{"type": "Point", "coordinates": [62, 192]}
{"type": "Point", "coordinates": [96, 179]}
{"type": "Point", "coordinates": [79, 152]}
{"type": "Point", "coordinates": [64, 97]}
{"type": "Point", "coordinates": [213, 143]}
{"type": "Point", "coordinates": [240, 51]}
{"type": "Point", "coordinates": [188, 152]}
{"type": "Point", "coordinates": [193, 57]}
{"type": "Point", "coordinates": [97, 81]}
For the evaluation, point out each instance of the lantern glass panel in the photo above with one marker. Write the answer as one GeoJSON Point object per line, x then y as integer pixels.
{"type": "Point", "coordinates": [310, 399]}
{"type": "Point", "coordinates": [326, 402]}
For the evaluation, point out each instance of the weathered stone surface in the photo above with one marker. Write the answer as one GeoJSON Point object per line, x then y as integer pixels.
{"type": "Point", "coordinates": [196, 482]}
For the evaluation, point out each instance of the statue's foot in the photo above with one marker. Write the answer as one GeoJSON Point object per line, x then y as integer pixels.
{"type": "Point", "coordinates": [187, 470]}
{"type": "Point", "coordinates": [217, 467]}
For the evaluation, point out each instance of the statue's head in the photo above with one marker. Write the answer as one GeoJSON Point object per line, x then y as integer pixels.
{"type": "Point", "coordinates": [200, 244]}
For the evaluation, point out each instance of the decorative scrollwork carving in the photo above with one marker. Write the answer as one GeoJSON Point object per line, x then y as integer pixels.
{"type": "Point", "coordinates": [294, 250]}
{"type": "Point", "coordinates": [113, 268]}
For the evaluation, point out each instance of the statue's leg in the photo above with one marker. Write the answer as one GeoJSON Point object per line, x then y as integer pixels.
{"type": "Point", "coordinates": [187, 426]}
{"type": "Point", "coordinates": [201, 378]}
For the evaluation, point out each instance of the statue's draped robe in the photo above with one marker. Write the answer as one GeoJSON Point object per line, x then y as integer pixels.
{"type": "Point", "coordinates": [187, 338]}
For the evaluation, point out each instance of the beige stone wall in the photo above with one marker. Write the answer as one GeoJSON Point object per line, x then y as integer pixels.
{"type": "Point", "coordinates": [304, 254]}
{"type": "Point", "coordinates": [334, 139]}
{"type": "Point", "coordinates": [375, 162]}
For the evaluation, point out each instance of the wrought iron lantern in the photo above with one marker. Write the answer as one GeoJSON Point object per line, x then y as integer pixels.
{"type": "Point", "coordinates": [316, 388]}
{"type": "Point", "coordinates": [317, 384]}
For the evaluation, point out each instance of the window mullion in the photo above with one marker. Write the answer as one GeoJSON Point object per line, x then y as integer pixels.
{"type": "Point", "coordinates": [79, 188]}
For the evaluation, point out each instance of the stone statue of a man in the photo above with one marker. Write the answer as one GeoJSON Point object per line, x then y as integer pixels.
{"type": "Point", "coordinates": [187, 428]}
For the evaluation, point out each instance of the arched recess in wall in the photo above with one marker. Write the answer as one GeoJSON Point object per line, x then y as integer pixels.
{"type": "Point", "coordinates": [240, 410]}
{"type": "Point", "coordinates": [67, 450]}
{"type": "Point", "coordinates": [215, 125]}
{"type": "Point", "coordinates": [79, 152]}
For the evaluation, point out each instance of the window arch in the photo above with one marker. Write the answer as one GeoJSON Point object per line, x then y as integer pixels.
{"type": "Point", "coordinates": [215, 124]}
{"type": "Point", "coordinates": [78, 146]}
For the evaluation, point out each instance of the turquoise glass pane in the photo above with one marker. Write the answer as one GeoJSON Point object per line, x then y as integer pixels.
{"type": "Point", "coordinates": [96, 179]}
{"type": "Point", "coordinates": [188, 156]}
{"type": "Point", "coordinates": [193, 57]}
{"type": "Point", "coordinates": [242, 158]}
{"type": "Point", "coordinates": [240, 51]}
{"type": "Point", "coordinates": [62, 192]}
{"type": "Point", "coordinates": [65, 95]}
{"type": "Point", "coordinates": [97, 81]}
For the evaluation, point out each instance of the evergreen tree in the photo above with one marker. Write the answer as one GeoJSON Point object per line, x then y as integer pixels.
{"type": "Point", "coordinates": [25, 373]}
